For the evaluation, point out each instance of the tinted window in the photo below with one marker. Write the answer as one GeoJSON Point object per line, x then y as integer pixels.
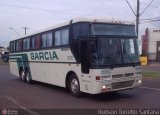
{"type": "Point", "coordinates": [33, 43]}
{"type": "Point", "coordinates": [110, 29]}
{"type": "Point", "coordinates": [62, 37]}
{"type": "Point", "coordinates": [44, 40]}
{"type": "Point", "coordinates": [80, 29]}
{"type": "Point", "coordinates": [26, 43]}
{"type": "Point", "coordinates": [19, 45]}
{"type": "Point", "coordinates": [12, 46]}
{"type": "Point", "coordinates": [37, 41]}
{"type": "Point", "coordinates": [47, 40]}
{"type": "Point", "coordinates": [57, 38]}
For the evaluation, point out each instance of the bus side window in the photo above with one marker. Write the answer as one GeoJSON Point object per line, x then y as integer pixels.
{"type": "Point", "coordinates": [49, 39]}
{"type": "Point", "coordinates": [33, 42]}
{"type": "Point", "coordinates": [62, 37]}
{"type": "Point", "coordinates": [12, 47]}
{"type": "Point", "coordinates": [37, 42]}
{"type": "Point", "coordinates": [80, 30]}
{"type": "Point", "coordinates": [19, 45]}
{"type": "Point", "coordinates": [57, 38]}
{"type": "Point", "coordinates": [44, 40]}
{"type": "Point", "coordinates": [26, 44]}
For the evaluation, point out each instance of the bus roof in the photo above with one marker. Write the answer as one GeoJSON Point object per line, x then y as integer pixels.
{"type": "Point", "coordinates": [101, 20]}
{"type": "Point", "coordinates": [81, 19]}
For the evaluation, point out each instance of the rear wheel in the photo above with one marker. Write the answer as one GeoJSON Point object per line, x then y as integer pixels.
{"type": "Point", "coordinates": [22, 75]}
{"type": "Point", "coordinates": [28, 77]}
{"type": "Point", "coordinates": [74, 86]}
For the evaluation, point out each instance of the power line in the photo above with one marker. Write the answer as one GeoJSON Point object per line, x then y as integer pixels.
{"type": "Point", "coordinates": [38, 9]}
{"type": "Point", "coordinates": [153, 6]}
{"type": "Point", "coordinates": [131, 7]}
{"type": "Point", "coordinates": [149, 21]}
{"type": "Point", "coordinates": [155, 19]}
{"type": "Point", "coordinates": [138, 14]}
{"type": "Point", "coordinates": [151, 18]}
{"type": "Point", "coordinates": [146, 7]}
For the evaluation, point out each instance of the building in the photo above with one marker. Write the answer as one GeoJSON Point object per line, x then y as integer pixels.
{"type": "Point", "coordinates": [3, 51]}
{"type": "Point", "coordinates": [151, 44]}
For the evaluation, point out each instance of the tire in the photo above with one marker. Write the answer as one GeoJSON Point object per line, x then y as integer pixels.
{"type": "Point", "coordinates": [28, 77]}
{"type": "Point", "coordinates": [22, 75]}
{"type": "Point", "coordinates": [74, 86]}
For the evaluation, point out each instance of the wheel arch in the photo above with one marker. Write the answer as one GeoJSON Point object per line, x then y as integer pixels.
{"type": "Point", "coordinates": [26, 69]}
{"type": "Point", "coordinates": [68, 77]}
{"type": "Point", "coordinates": [20, 69]}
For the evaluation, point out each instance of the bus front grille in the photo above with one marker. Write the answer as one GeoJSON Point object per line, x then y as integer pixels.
{"type": "Point", "coordinates": [123, 75]}
{"type": "Point", "coordinates": [124, 84]}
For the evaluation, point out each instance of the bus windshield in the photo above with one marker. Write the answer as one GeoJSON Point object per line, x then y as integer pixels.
{"type": "Point", "coordinates": [114, 51]}
{"type": "Point", "coordinates": [113, 29]}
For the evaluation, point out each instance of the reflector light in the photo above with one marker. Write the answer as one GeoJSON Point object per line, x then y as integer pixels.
{"type": "Point", "coordinates": [98, 77]}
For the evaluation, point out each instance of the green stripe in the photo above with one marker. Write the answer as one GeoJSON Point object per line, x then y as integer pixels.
{"type": "Point", "coordinates": [24, 63]}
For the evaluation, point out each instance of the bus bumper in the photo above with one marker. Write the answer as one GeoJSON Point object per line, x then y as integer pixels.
{"type": "Point", "coordinates": [115, 85]}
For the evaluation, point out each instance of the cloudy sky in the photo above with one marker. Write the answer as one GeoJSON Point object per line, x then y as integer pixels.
{"type": "Point", "coordinates": [40, 14]}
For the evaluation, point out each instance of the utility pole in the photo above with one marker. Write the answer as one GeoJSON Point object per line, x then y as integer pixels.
{"type": "Point", "coordinates": [137, 17]}
{"type": "Point", "coordinates": [25, 30]}
{"type": "Point", "coordinates": [138, 14]}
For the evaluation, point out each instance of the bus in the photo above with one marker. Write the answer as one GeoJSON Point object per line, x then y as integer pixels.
{"type": "Point", "coordinates": [83, 55]}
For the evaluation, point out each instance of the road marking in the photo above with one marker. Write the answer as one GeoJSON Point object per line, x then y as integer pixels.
{"type": "Point", "coordinates": [22, 107]}
{"type": "Point", "coordinates": [151, 88]}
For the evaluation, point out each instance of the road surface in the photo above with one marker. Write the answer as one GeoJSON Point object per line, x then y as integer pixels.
{"type": "Point", "coordinates": [35, 99]}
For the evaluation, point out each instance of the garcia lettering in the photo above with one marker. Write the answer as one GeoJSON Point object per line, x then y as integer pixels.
{"type": "Point", "coordinates": [51, 55]}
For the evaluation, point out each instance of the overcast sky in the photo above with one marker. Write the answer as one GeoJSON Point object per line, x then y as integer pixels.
{"type": "Point", "coordinates": [40, 14]}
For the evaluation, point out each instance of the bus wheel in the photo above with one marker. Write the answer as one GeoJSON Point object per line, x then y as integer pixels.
{"type": "Point", "coordinates": [28, 77]}
{"type": "Point", "coordinates": [74, 86]}
{"type": "Point", "coordinates": [22, 76]}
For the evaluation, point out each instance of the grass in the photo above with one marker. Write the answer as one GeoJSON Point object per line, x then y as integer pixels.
{"type": "Point", "coordinates": [151, 74]}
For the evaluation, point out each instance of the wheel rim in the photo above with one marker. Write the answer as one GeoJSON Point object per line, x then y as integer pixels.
{"type": "Point", "coordinates": [74, 86]}
{"type": "Point", "coordinates": [22, 75]}
{"type": "Point", "coordinates": [27, 77]}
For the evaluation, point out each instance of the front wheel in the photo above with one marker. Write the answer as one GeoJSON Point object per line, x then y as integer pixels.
{"type": "Point", "coordinates": [74, 86]}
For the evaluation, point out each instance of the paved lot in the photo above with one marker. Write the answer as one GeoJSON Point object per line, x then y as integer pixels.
{"type": "Point", "coordinates": [34, 99]}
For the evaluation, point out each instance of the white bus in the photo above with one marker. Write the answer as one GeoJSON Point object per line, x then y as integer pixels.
{"type": "Point", "coordinates": [83, 55]}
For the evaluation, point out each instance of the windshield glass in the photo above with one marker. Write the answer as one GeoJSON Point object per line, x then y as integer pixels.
{"type": "Point", "coordinates": [130, 50]}
{"type": "Point", "coordinates": [113, 29]}
{"type": "Point", "coordinates": [114, 51]}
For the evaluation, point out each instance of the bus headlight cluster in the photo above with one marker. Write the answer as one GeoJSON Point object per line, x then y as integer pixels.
{"type": "Point", "coordinates": [106, 88]}
{"type": "Point", "coordinates": [139, 81]}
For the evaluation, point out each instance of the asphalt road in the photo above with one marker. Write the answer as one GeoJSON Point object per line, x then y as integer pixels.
{"type": "Point", "coordinates": [35, 99]}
